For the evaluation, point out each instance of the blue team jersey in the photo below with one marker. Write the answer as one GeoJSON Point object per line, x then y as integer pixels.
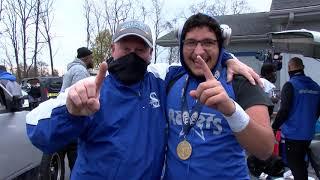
{"type": "Point", "coordinates": [216, 154]}
{"type": "Point", "coordinates": [125, 139]}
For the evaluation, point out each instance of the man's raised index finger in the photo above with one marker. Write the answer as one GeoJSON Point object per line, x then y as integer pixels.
{"type": "Point", "coordinates": [101, 74]}
{"type": "Point", "coordinates": [206, 70]}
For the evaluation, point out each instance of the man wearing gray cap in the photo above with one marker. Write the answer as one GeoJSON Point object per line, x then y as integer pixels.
{"type": "Point", "coordinates": [119, 119]}
{"type": "Point", "coordinates": [120, 126]}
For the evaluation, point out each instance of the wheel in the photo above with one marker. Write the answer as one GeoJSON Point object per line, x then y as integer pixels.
{"type": "Point", "coordinates": [52, 167]}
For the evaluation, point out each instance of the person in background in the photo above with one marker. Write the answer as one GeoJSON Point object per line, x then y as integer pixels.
{"type": "Point", "coordinates": [297, 116]}
{"type": "Point", "coordinates": [268, 77]}
{"type": "Point", "coordinates": [76, 70]}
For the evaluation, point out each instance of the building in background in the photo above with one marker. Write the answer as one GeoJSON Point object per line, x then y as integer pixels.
{"type": "Point", "coordinates": [250, 34]}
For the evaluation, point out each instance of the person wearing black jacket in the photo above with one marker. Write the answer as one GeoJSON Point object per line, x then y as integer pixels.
{"type": "Point", "coordinates": [297, 116]}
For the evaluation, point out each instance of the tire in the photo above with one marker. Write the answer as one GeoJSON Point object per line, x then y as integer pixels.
{"type": "Point", "coordinates": [52, 167]}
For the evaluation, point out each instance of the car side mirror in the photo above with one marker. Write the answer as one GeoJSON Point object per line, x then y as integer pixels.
{"type": "Point", "coordinates": [12, 103]}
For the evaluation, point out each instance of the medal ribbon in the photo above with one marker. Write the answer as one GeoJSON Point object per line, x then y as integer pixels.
{"type": "Point", "coordinates": [187, 120]}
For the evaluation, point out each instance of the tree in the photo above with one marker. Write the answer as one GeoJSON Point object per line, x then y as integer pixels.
{"type": "Point", "coordinates": [55, 72]}
{"type": "Point", "coordinates": [87, 14]}
{"type": "Point", "coordinates": [103, 25]}
{"type": "Point", "coordinates": [220, 7]}
{"type": "Point", "coordinates": [102, 47]}
{"type": "Point", "coordinates": [7, 61]}
{"type": "Point", "coordinates": [23, 25]}
{"type": "Point", "coordinates": [24, 9]}
{"type": "Point", "coordinates": [43, 68]}
{"type": "Point", "coordinates": [116, 11]}
{"type": "Point", "coordinates": [240, 6]}
{"type": "Point", "coordinates": [140, 10]}
{"type": "Point", "coordinates": [217, 8]}
{"type": "Point", "coordinates": [37, 14]}
{"type": "Point", "coordinates": [1, 9]}
{"type": "Point", "coordinates": [11, 25]}
{"type": "Point", "coordinates": [99, 40]}
{"type": "Point", "coordinates": [47, 23]}
{"type": "Point", "coordinates": [158, 23]}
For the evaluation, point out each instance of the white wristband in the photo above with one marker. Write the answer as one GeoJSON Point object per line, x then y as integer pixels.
{"type": "Point", "coordinates": [239, 120]}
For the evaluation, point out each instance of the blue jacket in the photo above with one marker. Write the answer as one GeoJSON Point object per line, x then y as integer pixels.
{"type": "Point", "coordinates": [125, 139]}
{"type": "Point", "coordinates": [300, 124]}
{"type": "Point", "coordinates": [216, 154]}
{"type": "Point", "coordinates": [7, 76]}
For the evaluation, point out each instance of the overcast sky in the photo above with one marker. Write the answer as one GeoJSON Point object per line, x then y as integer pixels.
{"type": "Point", "coordinates": [70, 33]}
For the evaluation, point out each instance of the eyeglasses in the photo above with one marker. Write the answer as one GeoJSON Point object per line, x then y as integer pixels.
{"type": "Point", "coordinates": [206, 43]}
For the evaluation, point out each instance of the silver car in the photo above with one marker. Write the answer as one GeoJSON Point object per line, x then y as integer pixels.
{"type": "Point", "coordinates": [19, 159]}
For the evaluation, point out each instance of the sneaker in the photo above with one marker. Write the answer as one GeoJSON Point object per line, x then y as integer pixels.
{"type": "Point", "coordinates": [288, 175]}
{"type": "Point", "coordinates": [264, 176]}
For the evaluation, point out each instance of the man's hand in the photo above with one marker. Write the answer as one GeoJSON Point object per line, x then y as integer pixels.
{"type": "Point", "coordinates": [235, 66]}
{"type": "Point", "coordinates": [83, 97]}
{"type": "Point", "coordinates": [211, 93]}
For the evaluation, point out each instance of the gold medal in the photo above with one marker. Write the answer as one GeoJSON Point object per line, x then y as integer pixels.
{"type": "Point", "coordinates": [184, 150]}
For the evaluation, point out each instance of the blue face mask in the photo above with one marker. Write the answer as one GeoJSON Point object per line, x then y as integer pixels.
{"type": "Point", "coordinates": [128, 69]}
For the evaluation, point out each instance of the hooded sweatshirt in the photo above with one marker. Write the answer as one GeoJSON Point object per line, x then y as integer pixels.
{"type": "Point", "coordinates": [77, 70]}
{"type": "Point", "coordinates": [216, 153]}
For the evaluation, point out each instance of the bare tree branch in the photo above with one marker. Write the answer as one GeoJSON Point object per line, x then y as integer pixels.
{"type": "Point", "coordinates": [24, 11]}
{"type": "Point", "coordinates": [159, 25]}
{"type": "Point", "coordinates": [47, 23]}
{"type": "Point", "coordinates": [1, 9]}
{"type": "Point", "coordinates": [87, 12]}
{"type": "Point", "coordinates": [11, 24]}
{"type": "Point", "coordinates": [37, 12]}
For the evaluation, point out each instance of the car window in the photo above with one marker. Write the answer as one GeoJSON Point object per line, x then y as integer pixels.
{"type": "Point", "coordinates": [55, 84]}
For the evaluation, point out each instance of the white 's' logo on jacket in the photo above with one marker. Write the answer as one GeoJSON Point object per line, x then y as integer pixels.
{"type": "Point", "coordinates": [154, 100]}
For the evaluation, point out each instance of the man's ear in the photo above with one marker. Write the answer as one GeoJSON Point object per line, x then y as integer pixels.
{"type": "Point", "coordinates": [112, 49]}
{"type": "Point", "coordinates": [150, 55]}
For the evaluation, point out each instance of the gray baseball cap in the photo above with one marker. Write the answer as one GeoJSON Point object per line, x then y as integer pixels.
{"type": "Point", "coordinates": [135, 28]}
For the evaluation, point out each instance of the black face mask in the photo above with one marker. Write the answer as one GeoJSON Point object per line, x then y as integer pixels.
{"type": "Point", "coordinates": [128, 69]}
{"type": "Point", "coordinates": [272, 77]}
